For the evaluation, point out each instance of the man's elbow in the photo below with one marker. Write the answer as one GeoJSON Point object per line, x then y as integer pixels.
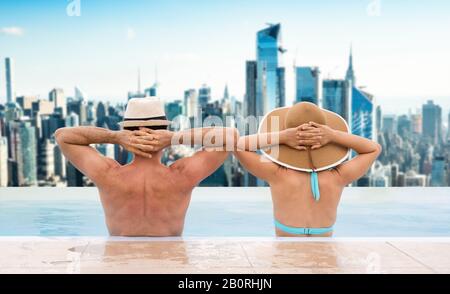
{"type": "Point", "coordinates": [60, 134]}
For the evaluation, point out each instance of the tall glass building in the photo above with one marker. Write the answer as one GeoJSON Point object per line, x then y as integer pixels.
{"type": "Point", "coordinates": [204, 96]}
{"type": "Point", "coordinates": [250, 88]}
{"type": "Point", "coordinates": [438, 172]}
{"type": "Point", "coordinates": [3, 162]}
{"type": "Point", "coordinates": [174, 109]}
{"type": "Point", "coordinates": [337, 97]}
{"type": "Point", "coordinates": [23, 151]}
{"type": "Point", "coordinates": [432, 122]}
{"type": "Point", "coordinates": [10, 89]}
{"type": "Point", "coordinates": [362, 114]}
{"type": "Point", "coordinates": [307, 84]}
{"type": "Point", "coordinates": [270, 78]}
{"type": "Point", "coordinates": [190, 102]}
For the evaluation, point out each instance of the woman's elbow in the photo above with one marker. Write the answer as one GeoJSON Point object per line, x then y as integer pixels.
{"type": "Point", "coordinates": [378, 149]}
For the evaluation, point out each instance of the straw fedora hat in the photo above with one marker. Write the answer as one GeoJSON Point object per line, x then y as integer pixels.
{"type": "Point", "coordinates": [308, 160]}
{"type": "Point", "coordinates": [144, 112]}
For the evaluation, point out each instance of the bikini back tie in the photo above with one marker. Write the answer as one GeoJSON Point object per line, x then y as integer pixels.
{"type": "Point", "coordinates": [314, 177]}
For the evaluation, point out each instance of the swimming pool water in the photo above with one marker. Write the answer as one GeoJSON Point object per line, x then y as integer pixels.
{"type": "Point", "coordinates": [237, 212]}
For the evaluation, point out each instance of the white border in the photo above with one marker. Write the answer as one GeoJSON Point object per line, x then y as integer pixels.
{"type": "Point", "coordinates": [297, 168]}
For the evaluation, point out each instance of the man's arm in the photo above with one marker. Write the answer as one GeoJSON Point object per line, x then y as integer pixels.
{"type": "Point", "coordinates": [216, 140]}
{"type": "Point", "coordinates": [74, 143]}
{"type": "Point", "coordinates": [353, 169]}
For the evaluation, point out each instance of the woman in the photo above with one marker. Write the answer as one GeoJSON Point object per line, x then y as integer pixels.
{"type": "Point", "coordinates": [306, 177]}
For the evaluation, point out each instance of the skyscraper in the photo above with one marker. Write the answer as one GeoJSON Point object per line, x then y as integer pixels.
{"type": "Point", "coordinates": [3, 162]}
{"type": "Point", "coordinates": [80, 95]}
{"type": "Point", "coordinates": [10, 85]}
{"type": "Point", "coordinates": [350, 75]}
{"type": "Point", "coordinates": [432, 122]}
{"type": "Point", "coordinates": [269, 59]}
{"type": "Point", "coordinates": [378, 119]}
{"type": "Point", "coordinates": [23, 153]}
{"type": "Point", "coordinates": [59, 100]}
{"type": "Point", "coordinates": [50, 123]}
{"type": "Point", "coordinates": [74, 176]}
{"type": "Point", "coordinates": [307, 84]}
{"type": "Point", "coordinates": [190, 103]}
{"type": "Point", "coordinates": [60, 162]}
{"type": "Point", "coordinates": [100, 115]}
{"type": "Point", "coordinates": [138, 93]}
{"type": "Point", "coordinates": [72, 120]}
{"type": "Point", "coordinates": [226, 101]}
{"type": "Point", "coordinates": [42, 107]}
{"type": "Point", "coordinates": [26, 103]}
{"type": "Point", "coordinates": [204, 96]}
{"type": "Point", "coordinates": [448, 127]}
{"type": "Point", "coordinates": [404, 126]}
{"type": "Point", "coordinates": [281, 89]}
{"type": "Point", "coordinates": [362, 114]}
{"type": "Point", "coordinates": [390, 124]}
{"type": "Point", "coordinates": [438, 172]}
{"type": "Point", "coordinates": [79, 107]}
{"type": "Point", "coordinates": [337, 97]}
{"type": "Point", "coordinates": [250, 88]}
{"type": "Point", "coordinates": [174, 109]}
{"type": "Point", "coordinates": [416, 121]}
{"type": "Point", "coordinates": [46, 160]}
{"type": "Point", "coordinates": [106, 149]}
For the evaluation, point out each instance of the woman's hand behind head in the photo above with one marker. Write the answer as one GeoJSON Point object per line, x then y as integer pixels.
{"type": "Point", "coordinates": [315, 135]}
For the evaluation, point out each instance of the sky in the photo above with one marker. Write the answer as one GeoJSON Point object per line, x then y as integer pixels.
{"type": "Point", "coordinates": [401, 47]}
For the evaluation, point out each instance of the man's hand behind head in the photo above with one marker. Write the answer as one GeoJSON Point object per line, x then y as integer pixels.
{"type": "Point", "coordinates": [155, 140]}
{"type": "Point", "coordinates": [135, 142]}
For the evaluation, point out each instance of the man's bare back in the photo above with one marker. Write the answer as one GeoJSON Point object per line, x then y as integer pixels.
{"type": "Point", "coordinates": [145, 197]}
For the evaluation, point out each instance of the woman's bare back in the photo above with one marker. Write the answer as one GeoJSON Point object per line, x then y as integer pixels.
{"type": "Point", "coordinates": [294, 204]}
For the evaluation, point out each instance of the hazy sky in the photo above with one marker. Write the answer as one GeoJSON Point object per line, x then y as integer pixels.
{"type": "Point", "coordinates": [401, 47]}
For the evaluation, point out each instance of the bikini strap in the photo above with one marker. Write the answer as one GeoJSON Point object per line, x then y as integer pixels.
{"type": "Point", "coordinates": [314, 177]}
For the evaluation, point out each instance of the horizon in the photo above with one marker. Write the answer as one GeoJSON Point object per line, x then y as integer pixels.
{"type": "Point", "coordinates": [102, 49]}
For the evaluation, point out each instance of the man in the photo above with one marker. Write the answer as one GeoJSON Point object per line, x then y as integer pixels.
{"type": "Point", "coordinates": [144, 197]}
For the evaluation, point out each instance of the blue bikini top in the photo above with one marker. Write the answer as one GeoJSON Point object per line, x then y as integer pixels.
{"type": "Point", "coordinates": [314, 178]}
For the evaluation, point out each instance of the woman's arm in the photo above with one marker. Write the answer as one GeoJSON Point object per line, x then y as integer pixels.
{"type": "Point", "coordinates": [259, 165]}
{"type": "Point", "coordinates": [212, 138]}
{"type": "Point", "coordinates": [317, 135]}
{"type": "Point", "coordinates": [289, 137]}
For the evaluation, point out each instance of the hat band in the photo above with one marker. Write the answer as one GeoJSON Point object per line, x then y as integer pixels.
{"type": "Point", "coordinates": [163, 117]}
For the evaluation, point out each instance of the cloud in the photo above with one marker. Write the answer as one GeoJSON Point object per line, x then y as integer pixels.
{"type": "Point", "coordinates": [12, 31]}
{"type": "Point", "coordinates": [131, 34]}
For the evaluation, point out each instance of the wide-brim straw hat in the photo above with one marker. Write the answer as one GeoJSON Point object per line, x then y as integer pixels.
{"type": "Point", "coordinates": [144, 112]}
{"type": "Point", "coordinates": [309, 160]}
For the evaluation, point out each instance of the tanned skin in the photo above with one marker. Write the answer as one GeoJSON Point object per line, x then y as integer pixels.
{"type": "Point", "coordinates": [144, 197]}
{"type": "Point", "coordinates": [293, 202]}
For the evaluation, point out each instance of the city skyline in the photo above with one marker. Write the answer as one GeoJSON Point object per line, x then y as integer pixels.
{"type": "Point", "coordinates": [106, 67]}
